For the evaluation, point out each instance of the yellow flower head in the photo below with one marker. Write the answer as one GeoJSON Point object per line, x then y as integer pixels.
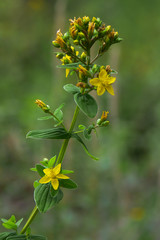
{"type": "Point", "coordinates": [52, 175]}
{"type": "Point", "coordinates": [103, 83]}
{"type": "Point", "coordinates": [42, 105]}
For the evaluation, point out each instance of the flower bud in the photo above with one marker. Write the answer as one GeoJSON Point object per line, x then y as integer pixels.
{"type": "Point", "coordinates": [83, 56]}
{"type": "Point", "coordinates": [55, 44]}
{"type": "Point", "coordinates": [81, 84]}
{"type": "Point", "coordinates": [81, 35]}
{"type": "Point", "coordinates": [43, 106]}
{"type": "Point", "coordinates": [86, 20]}
{"type": "Point", "coordinates": [76, 42]}
{"type": "Point", "coordinates": [59, 55]}
{"type": "Point", "coordinates": [91, 27]}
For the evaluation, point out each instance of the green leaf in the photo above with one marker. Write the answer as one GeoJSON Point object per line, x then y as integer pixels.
{"type": "Point", "coordinates": [75, 135]}
{"type": "Point", "coordinates": [18, 237]}
{"type": "Point", "coordinates": [70, 65]}
{"type": "Point", "coordinates": [52, 162]}
{"type": "Point", "coordinates": [19, 222]}
{"type": "Point", "coordinates": [53, 192]}
{"type": "Point", "coordinates": [53, 133]}
{"type": "Point", "coordinates": [58, 113]}
{"type": "Point", "coordinates": [40, 169]}
{"type": "Point", "coordinates": [44, 199]}
{"type": "Point", "coordinates": [4, 235]}
{"type": "Point", "coordinates": [36, 183]}
{"type": "Point", "coordinates": [86, 135]}
{"type": "Point", "coordinates": [45, 118]}
{"type": "Point", "coordinates": [33, 169]}
{"type": "Point", "coordinates": [67, 183]}
{"type": "Point", "coordinates": [66, 171]}
{"type": "Point", "coordinates": [70, 88]}
{"type": "Point", "coordinates": [9, 225]}
{"type": "Point", "coordinates": [87, 104]}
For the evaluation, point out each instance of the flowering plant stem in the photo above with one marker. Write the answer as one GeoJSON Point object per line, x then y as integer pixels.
{"type": "Point", "coordinates": [59, 160]}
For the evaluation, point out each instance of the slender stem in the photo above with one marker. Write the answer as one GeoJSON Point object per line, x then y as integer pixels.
{"type": "Point", "coordinates": [57, 120]}
{"type": "Point", "coordinates": [65, 143]}
{"type": "Point", "coordinates": [97, 56]}
{"type": "Point", "coordinates": [30, 219]}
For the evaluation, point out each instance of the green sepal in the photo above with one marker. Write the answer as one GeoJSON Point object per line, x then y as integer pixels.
{"type": "Point", "coordinates": [52, 133]}
{"type": "Point", "coordinates": [44, 199]}
{"type": "Point", "coordinates": [45, 118]}
{"type": "Point", "coordinates": [51, 162]}
{"type": "Point", "coordinates": [67, 183]}
{"type": "Point", "coordinates": [70, 88]}
{"type": "Point", "coordinates": [40, 169]}
{"type": "Point", "coordinates": [75, 135]}
{"type": "Point", "coordinates": [87, 104]}
{"type": "Point", "coordinates": [70, 65]}
{"type": "Point", "coordinates": [36, 183]}
{"type": "Point", "coordinates": [5, 235]}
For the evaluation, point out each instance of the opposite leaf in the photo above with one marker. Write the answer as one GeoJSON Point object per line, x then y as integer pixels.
{"type": "Point", "coordinates": [53, 133]}
{"type": "Point", "coordinates": [44, 199]}
{"type": "Point", "coordinates": [70, 88]}
{"type": "Point", "coordinates": [87, 104]}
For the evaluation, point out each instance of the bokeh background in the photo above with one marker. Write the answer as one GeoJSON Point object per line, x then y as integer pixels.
{"type": "Point", "coordinates": [119, 196]}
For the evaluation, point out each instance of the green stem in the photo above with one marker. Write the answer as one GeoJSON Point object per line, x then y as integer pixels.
{"type": "Point", "coordinates": [59, 160]}
{"type": "Point", "coordinates": [65, 143]}
{"type": "Point", "coordinates": [30, 219]}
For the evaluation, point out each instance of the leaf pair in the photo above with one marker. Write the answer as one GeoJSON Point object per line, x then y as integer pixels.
{"type": "Point", "coordinates": [14, 236]}
{"type": "Point", "coordinates": [85, 102]}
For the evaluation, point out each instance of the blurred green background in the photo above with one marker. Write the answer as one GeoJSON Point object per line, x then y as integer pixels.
{"type": "Point", "coordinates": [119, 196]}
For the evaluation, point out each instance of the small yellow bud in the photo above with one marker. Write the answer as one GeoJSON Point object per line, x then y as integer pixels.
{"type": "Point", "coordinates": [91, 27]}
{"type": "Point", "coordinates": [86, 19]}
{"type": "Point", "coordinates": [42, 105]}
{"type": "Point", "coordinates": [83, 56]}
{"type": "Point", "coordinates": [104, 116]}
{"type": "Point", "coordinates": [76, 42]}
{"type": "Point", "coordinates": [81, 84]}
{"type": "Point", "coordinates": [82, 70]}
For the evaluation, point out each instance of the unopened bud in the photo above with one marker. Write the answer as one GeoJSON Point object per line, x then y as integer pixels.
{"type": "Point", "coordinates": [59, 55]}
{"type": "Point", "coordinates": [108, 69]}
{"type": "Point", "coordinates": [83, 56]}
{"type": "Point", "coordinates": [76, 42]}
{"type": "Point", "coordinates": [43, 106]}
{"type": "Point", "coordinates": [86, 20]}
{"type": "Point", "coordinates": [81, 84]}
{"type": "Point", "coordinates": [104, 124]}
{"type": "Point", "coordinates": [55, 44]}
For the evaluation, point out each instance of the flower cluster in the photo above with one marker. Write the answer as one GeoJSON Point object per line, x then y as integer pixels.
{"type": "Point", "coordinates": [83, 33]}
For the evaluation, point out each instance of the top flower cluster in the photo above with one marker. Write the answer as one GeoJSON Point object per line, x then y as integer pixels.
{"type": "Point", "coordinates": [82, 34]}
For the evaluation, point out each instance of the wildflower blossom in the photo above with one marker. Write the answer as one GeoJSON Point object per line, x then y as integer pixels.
{"type": "Point", "coordinates": [52, 175]}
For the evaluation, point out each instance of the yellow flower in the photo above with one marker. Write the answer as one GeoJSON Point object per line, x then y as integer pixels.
{"type": "Point", "coordinates": [65, 60]}
{"type": "Point", "coordinates": [103, 83]}
{"type": "Point", "coordinates": [52, 175]}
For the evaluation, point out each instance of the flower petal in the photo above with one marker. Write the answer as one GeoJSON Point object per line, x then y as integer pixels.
{"type": "Point", "coordinates": [62, 176]}
{"type": "Point", "coordinates": [95, 81]}
{"type": "Point", "coordinates": [48, 172]}
{"type": "Point", "coordinates": [111, 80]}
{"type": "Point", "coordinates": [100, 89]}
{"type": "Point", "coordinates": [67, 72]}
{"type": "Point", "coordinates": [45, 179]}
{"type": "Point", "coordinates": [55, 183]}
{"type": "Point", "coordinates": [110, 89]}
{"type": "Point", "coordinates": [56, 170]}
{"type": "Point", "coordinates": [103, 74]}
